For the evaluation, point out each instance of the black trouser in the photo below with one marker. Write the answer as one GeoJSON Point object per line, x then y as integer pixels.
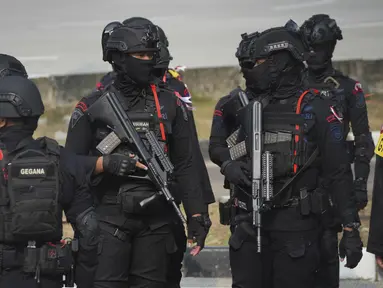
{"type": "Point", "coordinates": [288, 259]}
{"type": "Point", "coordinates": [16, 278]}
{"type": "Point", "coordinates": [328, 274]}
{"type": "Point", "coordinates": [135, 255]}
{"type": "Point", "coordinates": [175, 273]}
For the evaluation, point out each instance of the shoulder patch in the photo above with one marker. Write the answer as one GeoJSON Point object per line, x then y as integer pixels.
{"type": "Point", "coordinates": [357, 88]}
{"type": "Point", "coordinates": [81, 106]}
{"type": "Point", "coordinates": [76, 115]}
{"type": "Point", "coordinates": [360, 101]}
{"type": "Point", "coordinates": [336, 132]}
{"type": "Point", "coordinates": [379, 146]}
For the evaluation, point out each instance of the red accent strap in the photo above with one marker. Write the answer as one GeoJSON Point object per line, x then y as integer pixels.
{"type": "Point", "coordinates": [298, 111]}
{"type": "Point", "coordinates": [158, 108]}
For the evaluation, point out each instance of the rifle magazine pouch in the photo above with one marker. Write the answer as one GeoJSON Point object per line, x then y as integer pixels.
{"type": "Point", "coordinates": [282, 160]}
{"type": "Point", "coordinates": [31, 259]}
{"type": "Point", "coordinates": [317, 202]}
{"type": "Point", "coordinates": [225, 208]}
{"type": "Point", "coordinates": [304, 202]}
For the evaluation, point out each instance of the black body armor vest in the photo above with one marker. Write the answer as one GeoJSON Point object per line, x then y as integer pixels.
{"type": "Point", "coordinates": [29, 194]}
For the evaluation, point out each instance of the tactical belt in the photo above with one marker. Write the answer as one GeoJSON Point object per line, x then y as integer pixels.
{"type": "Point", "coordinates": [116, 232]}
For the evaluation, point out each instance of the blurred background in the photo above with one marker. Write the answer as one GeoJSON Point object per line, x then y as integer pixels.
{"type": "Point", "coordinates": [59, 42]}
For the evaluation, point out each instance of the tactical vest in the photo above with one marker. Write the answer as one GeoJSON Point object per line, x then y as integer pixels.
{"type": "Point", "coordinates": [285, 127]}
{"type": "Point", "coordinates": [148, 118]}
{"type": "Point", "coordinates": [29, 208]}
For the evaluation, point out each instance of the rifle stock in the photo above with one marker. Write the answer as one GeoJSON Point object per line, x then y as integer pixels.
{"type": "Point", "coordinates": [108, 110]}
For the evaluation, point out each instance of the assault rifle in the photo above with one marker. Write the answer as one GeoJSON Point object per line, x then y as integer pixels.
{"type": "Point", "coordinates": [108, 110]}
{"type": "Point", "coordinates": [262, 162]}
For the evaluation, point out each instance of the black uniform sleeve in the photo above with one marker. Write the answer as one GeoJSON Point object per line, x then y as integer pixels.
{"type": "Point", "coordinates": [375, 237]}
{"type": "Point", "coordinates": [364, 145]}
{"type": "Point", "coordinates": [181, 154]}
{"type": "Point", "coordinates": [77, 202]}
{"type": "Point", "coordinates": [218, 149]}
{"type": "Point", "coordinates": [79, 135]}
{"type": "Point", "coordinates": [200, 166]}
{"type": "Point", "coordinates": [336, 169]}
{"type": "Point", "coordinates": [182, 92]}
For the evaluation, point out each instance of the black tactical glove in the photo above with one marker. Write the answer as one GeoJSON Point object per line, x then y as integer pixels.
{"type": "Point", "coordinates": [350, 247]}
{"type": "Point", "coordinates": [235, 172]}
{"type": "Point", "coordinates": [360, 188]}
{"type": "Point", "coordinates": [119, 165]}
{"type": "Point", "coordinates": [198, 228]}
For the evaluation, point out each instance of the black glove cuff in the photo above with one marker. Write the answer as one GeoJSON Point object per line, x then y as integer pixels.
{"type": "Point", "coordinates": [224, 165]}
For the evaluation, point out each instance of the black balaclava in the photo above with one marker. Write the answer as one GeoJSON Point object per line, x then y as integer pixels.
{"type": "Point", "coordinates": [279, 75]}
{"type": "Point", "coordinates": [10, 136]}
{"type": "Point", "coordinates": [133, 70]}
{"type": "Point", "coordinates": [320, 61]}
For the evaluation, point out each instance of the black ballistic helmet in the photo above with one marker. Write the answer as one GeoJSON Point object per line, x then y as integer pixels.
{"type": "Point", "coordinates": [9, 65]}
{"type": "Point", "coordinates": [19, 98]}
{"type": "Point", "coordinates": [320, 29]}
{"type": "Point", "coordinates": [257, 45]}
{"type": "Point", "coordinates": [164, 57]}
{"type": "Point", "coordinates": [132, 40]}
{"type": "Point", "coordinates": [136, 22]}
{"type": "Point", "coordinates": [105, 36]}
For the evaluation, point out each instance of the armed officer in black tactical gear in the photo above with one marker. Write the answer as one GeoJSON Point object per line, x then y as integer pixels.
{"type": "Point", "coordinates": [138, 243]}
{"type": "Point", "coordinates": [39, 181]}
{"type": "Point", "coordinates": [162, 72]}
{"type": "Point", "coordinates": [321, 34]}
{"type": "Point", "coordinates": [73, 195]}
{"type": "Point", "coordinates": [293, 133]}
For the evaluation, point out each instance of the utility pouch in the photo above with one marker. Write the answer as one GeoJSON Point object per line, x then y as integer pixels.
{"type": "Point", "coordinates": [304, 202]}
{"type": "Point", "coordinates": [225, 211]}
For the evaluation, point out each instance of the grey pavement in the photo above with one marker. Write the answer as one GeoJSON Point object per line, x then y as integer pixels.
{"type": "Point", "coordinates": [63, 37]}
{"type": "Point", "coordinates": [225, 282]}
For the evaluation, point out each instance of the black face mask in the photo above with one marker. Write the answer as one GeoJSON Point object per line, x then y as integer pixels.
{"type": "Point", "coordinates": [318, 60]}
{"type": "Point", "coordinates": [135, 69]}
{"type": "Point", "coordinates": [258, 78]}
{"type": "Point", "coordinates": [321, 59]}
{"type": "Point", "coordinates": [12, 135]}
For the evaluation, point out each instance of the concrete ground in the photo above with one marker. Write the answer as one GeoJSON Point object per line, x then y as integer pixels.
{"type": "Point", "coordinates": [225, 282]}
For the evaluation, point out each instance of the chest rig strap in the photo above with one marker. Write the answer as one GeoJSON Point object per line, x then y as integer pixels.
{"type": "Point", "coordinates": [297, 141]}
{"type": "Point", "coordinates": [158, 108]}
